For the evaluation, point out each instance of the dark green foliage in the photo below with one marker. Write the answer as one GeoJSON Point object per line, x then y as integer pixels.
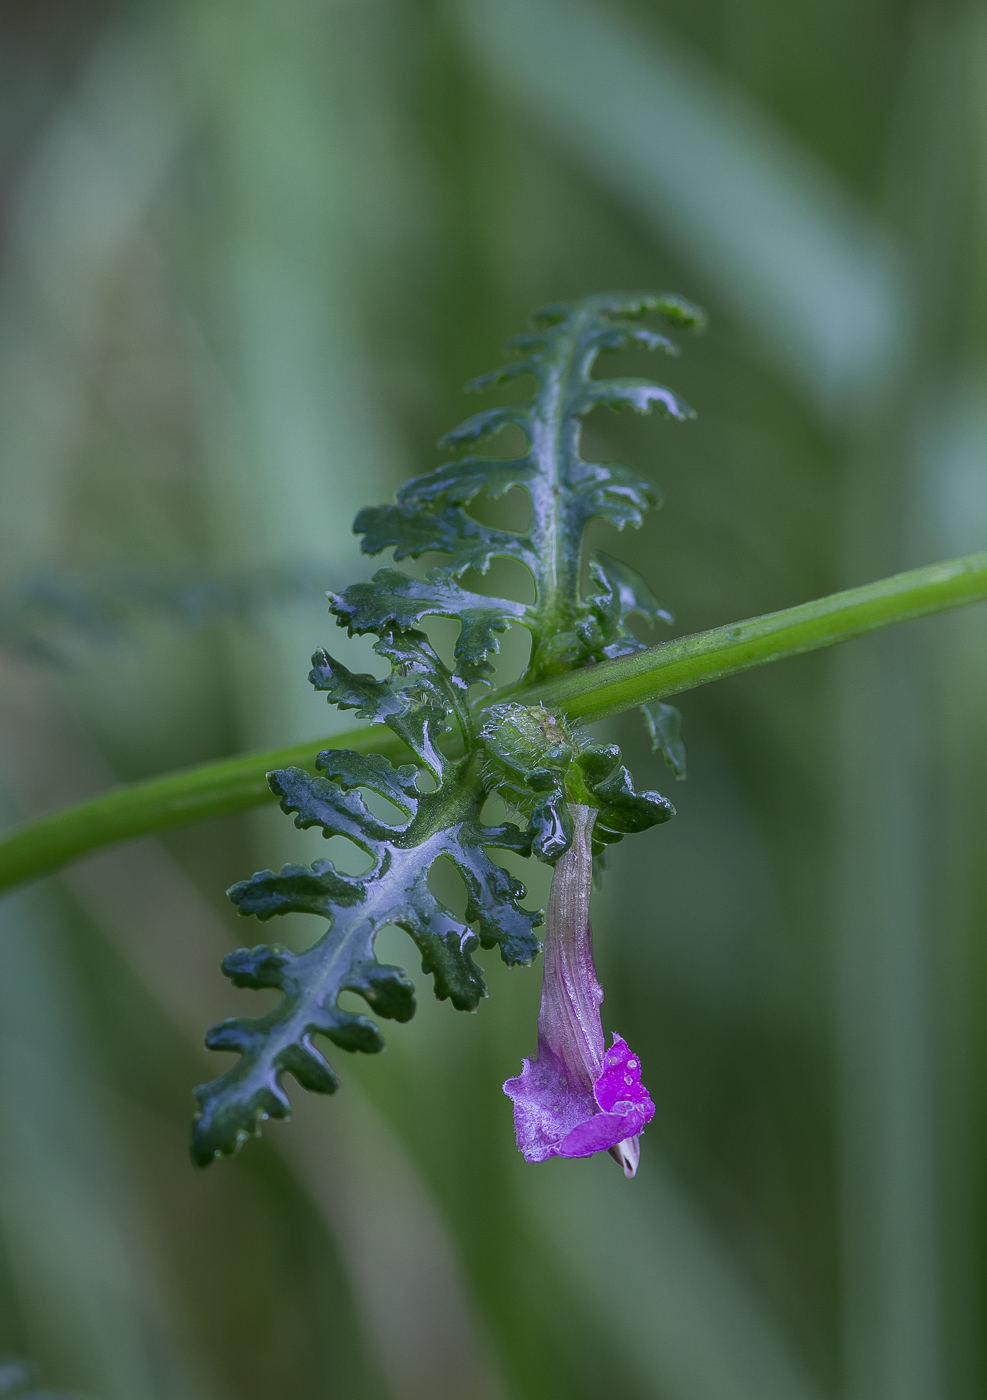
{"type": "Point", "coordinates": [566, 493]}
{"type": "Point", "coordinates": [623, 593]}
{"type": "Point", "coordinates": [445, 822]}
{"type": "Point", "coordinates": [539, 765]}
{"type": "Point", "coordinates": [395, 600]}
{"type": "Point", "coordinates": [621, 809]}
{"type": "Point", "coordinates": [665, 727]}
{"type": "Point", "coordinates": [469, 749]}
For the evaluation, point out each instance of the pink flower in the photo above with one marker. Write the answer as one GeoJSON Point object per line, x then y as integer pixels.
{"type": "Point", "coordinates": [576, 1097]}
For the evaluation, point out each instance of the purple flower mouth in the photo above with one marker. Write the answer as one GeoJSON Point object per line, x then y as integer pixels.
{"type": "Point", "coordinates": [574, 1098]}
{"type": "Point", "coordinates": [556, 1117]}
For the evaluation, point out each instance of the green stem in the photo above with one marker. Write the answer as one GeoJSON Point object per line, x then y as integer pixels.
{"type": "Point", "coordinates": [665, 670]}
{"type": "Point", "coordinates": [177, 799]}
{"type": "Point", "coordinates": [234, 785]}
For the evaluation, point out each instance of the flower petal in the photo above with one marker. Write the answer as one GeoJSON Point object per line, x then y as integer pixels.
{"type": "Point", "coordinates": [598, 1134]}
{"type": "Point", "coordinates": [548, 1104]}
{"type": "Point", "coordinates": [619, 1081]}
{"type": "Point", "coordinates": [555, 1116]}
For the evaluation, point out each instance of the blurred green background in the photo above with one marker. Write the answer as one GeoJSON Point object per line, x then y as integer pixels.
{"type": "Point", "coordinates": [248, 253]}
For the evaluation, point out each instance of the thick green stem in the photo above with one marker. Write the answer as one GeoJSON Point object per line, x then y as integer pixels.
{"type": "Point", "coordinates": [680, 665]}
{"type": "Point", "coordinates": [176, 799]}
{"type": "Point", "coordinates": [233, 785]}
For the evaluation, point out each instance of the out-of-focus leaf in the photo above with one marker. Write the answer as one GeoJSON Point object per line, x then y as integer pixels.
{"type": "Point", "coordinates": [14, 1377]}
{"type": "Point", "coordinates": [82, 196]}
{"type": "Point", "coordinates": [805, 269]}
{"type": "Point", "coordinates": [653, 1270]}
{"type": "Point", "coordinates": [49, 617]}
{"type": "Point", "coordinates": [300, 437]}
{"type": "Point", "coordinates": [87, 1284]}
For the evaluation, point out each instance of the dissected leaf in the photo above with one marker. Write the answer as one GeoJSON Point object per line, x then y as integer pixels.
{"type": "Point", "coordinates": [394, 891]}
{"type": "Point", "coordinates": [410, 533]}
{"type": "Point", "coordinates": [665, 727]}
{"type": "Point", "coordinates": [393, 599]}
{"type": "Point", "coordinates": [539, 765]}
{"type": "Point", "coordinates": [528, 755]}
{"type": "Point", "coordinates": [638, 394]}
{"type": "Point", "coordinates": [565, 490]}
{"type": "Point", "coordinates": [460, 482]}
{"type": "Point", "coordinates": [622, 810]}
{"type": "Point", "coordinates": [623, 594]}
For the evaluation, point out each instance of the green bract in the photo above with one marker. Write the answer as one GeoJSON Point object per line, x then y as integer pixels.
{"type": "Point", "coordinates": [468, 747]}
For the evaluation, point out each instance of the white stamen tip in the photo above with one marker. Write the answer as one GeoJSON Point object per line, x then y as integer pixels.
{"type": "Point", "coordinates": [627, 1154]}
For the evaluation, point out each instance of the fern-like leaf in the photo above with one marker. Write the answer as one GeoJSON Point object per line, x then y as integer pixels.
{"type": "Point", "coordinates": [429, 825]}
{"type": "Point", "coordinates": [527, 755]}
{"type": "Point", "coordinates": [565, 490]}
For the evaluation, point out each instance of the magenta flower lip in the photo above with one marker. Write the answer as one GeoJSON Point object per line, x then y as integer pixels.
{"type": "Point", "coordinates": [575, 1098]}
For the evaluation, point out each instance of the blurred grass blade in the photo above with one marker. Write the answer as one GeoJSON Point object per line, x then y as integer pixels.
{"type": "Point", "coordinates": [753, 215]}
{"type": "Point", "coordinates": [403, 1261]}
{"type": "Point", "coordinates": [305, 443]}
{"type": "Point", "coordinates": [905, 898]}
{"type": "Point", "coordinates": [84, 191]}
{"type": "Point", "coordinates": [654, 1272]}
{"type": "Point", "coordinates": [69, 1209]}
{"type": "Point", "coordinates": [53, 617]}
{"type": "Point", "coordinates": [74, 1222]}
{"type": "Point", "coordinates": [86, 1269]}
